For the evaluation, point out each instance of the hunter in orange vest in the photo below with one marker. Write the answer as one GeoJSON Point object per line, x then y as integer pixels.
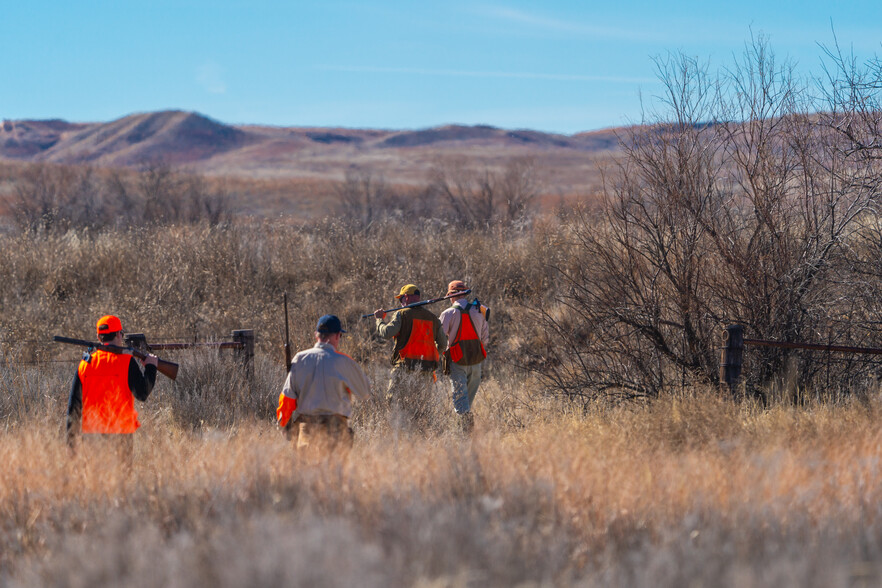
{"type": "Point", "coordinates": [419, 339]}
{"type": "Point", "coordinates": [465, 324]}
{"type": "Point", "coordinates": [103, 392]}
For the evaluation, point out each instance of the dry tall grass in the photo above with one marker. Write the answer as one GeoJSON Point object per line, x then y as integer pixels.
{"type": "Point", "coordinates": [177, 282]}
{"type": "Point", "coordinates": [687, 490]}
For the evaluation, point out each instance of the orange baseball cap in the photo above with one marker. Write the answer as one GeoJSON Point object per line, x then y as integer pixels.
{"type": "Point", "coordinates": [109, 324]}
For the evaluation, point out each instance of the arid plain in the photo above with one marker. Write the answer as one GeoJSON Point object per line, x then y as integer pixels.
{"type": "Point", "coordinates": [559, 484]}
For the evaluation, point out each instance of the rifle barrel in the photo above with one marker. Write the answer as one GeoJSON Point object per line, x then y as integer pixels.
{"type": "Point", "coordinates": [166, 368]}
{"type": "Point", "coordinates": [287, 340]}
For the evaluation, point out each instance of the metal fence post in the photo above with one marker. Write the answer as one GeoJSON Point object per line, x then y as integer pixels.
{"type": "Point", "coordinates": [732, 354]}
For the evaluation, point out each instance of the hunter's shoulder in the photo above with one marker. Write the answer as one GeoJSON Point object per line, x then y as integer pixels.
{"type": "Point", "coordinates": [421, 312]}
{"type": "Point", "coordinates": [341, 356]}
{"type": "Point", "coordinates": [448, 312]}
{"type": "Point", "coordinates": [309, 353]}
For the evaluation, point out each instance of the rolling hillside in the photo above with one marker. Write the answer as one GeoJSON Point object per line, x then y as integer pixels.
{"type": "Point", "coordinates": [203, 145]}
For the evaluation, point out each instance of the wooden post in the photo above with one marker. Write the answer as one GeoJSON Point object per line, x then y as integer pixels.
{"type": "Point", "coordinates": [246, 353]}
{"type": "Point", "coordinates": [731, 358]}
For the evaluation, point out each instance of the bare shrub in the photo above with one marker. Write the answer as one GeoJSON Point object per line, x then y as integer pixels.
{"type": "Point", "coordinates": [52, 198]}
{"type": "Point", "coordinates": [479, 198]}
{"type": "Point", "coordinates": [732, 205]}
{"type": "Point", "coordinates": [363, 197]}
{"type": "Point", "coordinates": [172, 197]}
{"type": "Point", "coordinates": [519, 185]}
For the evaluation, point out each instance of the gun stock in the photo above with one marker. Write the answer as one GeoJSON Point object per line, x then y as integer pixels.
{"type": "Point", "coordinates": [168, 369]}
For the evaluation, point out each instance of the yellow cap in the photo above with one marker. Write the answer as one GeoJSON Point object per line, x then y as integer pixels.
{"type": "Point", "coordinates": [408, 290]}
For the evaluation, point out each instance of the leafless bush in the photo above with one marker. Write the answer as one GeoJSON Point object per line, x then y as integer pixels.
{"type": "Point", "coordinates": [365, 199]}
{"type": "Point", "coordinates": [167, 196]}
{"type": "Point", "coordinates": [479, 198]}
{"type": "Point", "coordinates": [734, 205]}
{"type": "Point", "coordinates": [358, 195]}
{"type": "Point", "coordinates": [519, 186]}
{"type": "Point", "coordinates": [53, 198]}
{"type": "Point", "coordinates": [56, 198]}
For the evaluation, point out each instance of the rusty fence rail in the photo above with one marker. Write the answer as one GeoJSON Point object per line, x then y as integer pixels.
{"type": "Point", "coordinates": [732, 352]}
{"type": "Point", "coordinates": [241, 343]}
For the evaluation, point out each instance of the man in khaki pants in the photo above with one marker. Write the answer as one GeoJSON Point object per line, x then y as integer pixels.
{"type": "Point", "coordinates": [465, 325]}
{"type": "Point", "coordinates": [315, 404]}
{"type": "Point", "coordinates": [419, 342]}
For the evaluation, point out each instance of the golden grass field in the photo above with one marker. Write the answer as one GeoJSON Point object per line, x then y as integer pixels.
{"type": "Point", "coordinates": [689, 489]}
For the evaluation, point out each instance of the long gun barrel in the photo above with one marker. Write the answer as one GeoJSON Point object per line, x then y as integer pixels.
{"type": "Point", "coordinates": [166, 368]}
{"type": "Point", "coordinates": [287, 342]}
{"type": "Point", "coordinates": [422, 302]}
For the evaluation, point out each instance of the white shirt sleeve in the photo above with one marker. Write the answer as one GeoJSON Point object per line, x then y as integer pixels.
{"type": "Point", "coordinates": [356, 380]}
{"type": "Point", "coordinates": [290, 389]}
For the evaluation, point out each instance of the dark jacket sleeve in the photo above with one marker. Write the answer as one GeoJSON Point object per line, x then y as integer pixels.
{"type": "Point", "coordinates": [74, 409]}
{"type": "Point", "coordinates": [392, 328]}
{"type": "Point", "coordinates": [141, 383]}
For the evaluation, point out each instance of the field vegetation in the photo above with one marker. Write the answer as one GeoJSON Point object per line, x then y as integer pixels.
{"type": "Point", "coordinates": [605, 451]}
{"type": "Point", "coordinates": [687, 490]}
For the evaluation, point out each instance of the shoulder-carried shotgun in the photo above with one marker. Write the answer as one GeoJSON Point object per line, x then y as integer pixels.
{"type": "Point", "coordinates": [423, 302]}
{"type": "Point", "coordinates": [287, 341]}
{"type": "Point", "coordinates": [166, 368]}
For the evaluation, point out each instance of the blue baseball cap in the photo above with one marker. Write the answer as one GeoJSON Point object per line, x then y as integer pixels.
{"type": "Point", "coordinates": [329, 324]}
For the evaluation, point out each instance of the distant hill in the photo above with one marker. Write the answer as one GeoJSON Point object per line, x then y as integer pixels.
{"type": "Point", "coordinates": [172, 136]}
{"type": "Point", "coordinates": [205, 145]}
{"type": "Point", "coordinates": [28, 139]}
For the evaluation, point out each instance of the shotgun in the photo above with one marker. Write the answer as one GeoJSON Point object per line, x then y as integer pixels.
{"type": "Point", "coordinates": [423, 302]}
{"type": "Point", "coordinates": [166, 368]}
{"type": "Point", "coordinates": [287, 342]}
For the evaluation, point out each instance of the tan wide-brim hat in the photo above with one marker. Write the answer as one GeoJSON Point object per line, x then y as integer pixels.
{"type": "Point", "coordinates": [456, 286]}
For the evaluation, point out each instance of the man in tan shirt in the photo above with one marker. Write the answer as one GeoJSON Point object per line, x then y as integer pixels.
{"type": "Point", "coordinates": [466, 328]}
{"type": "Point", "coordinates": [315, 403]}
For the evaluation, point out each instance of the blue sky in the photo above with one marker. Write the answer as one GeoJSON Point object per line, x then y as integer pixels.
{"type": "Point", "coordinates": [564, 66]}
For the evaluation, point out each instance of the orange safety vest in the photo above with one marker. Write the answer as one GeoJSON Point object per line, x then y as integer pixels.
{"type": "Point", "coordinates": [421, 343]}
{"type": "Point", "coordinates": [108, 404]}
{"type": "Point", "coordinates": [466, 348]}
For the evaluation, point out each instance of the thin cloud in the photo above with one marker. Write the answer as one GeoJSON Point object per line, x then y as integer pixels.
{"type": "Point", "coordinates": [210, 76]}
{"type": "Point", "coordinates": [483, 74]}
{"type": "Point", "coordinates": [556, 25]}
